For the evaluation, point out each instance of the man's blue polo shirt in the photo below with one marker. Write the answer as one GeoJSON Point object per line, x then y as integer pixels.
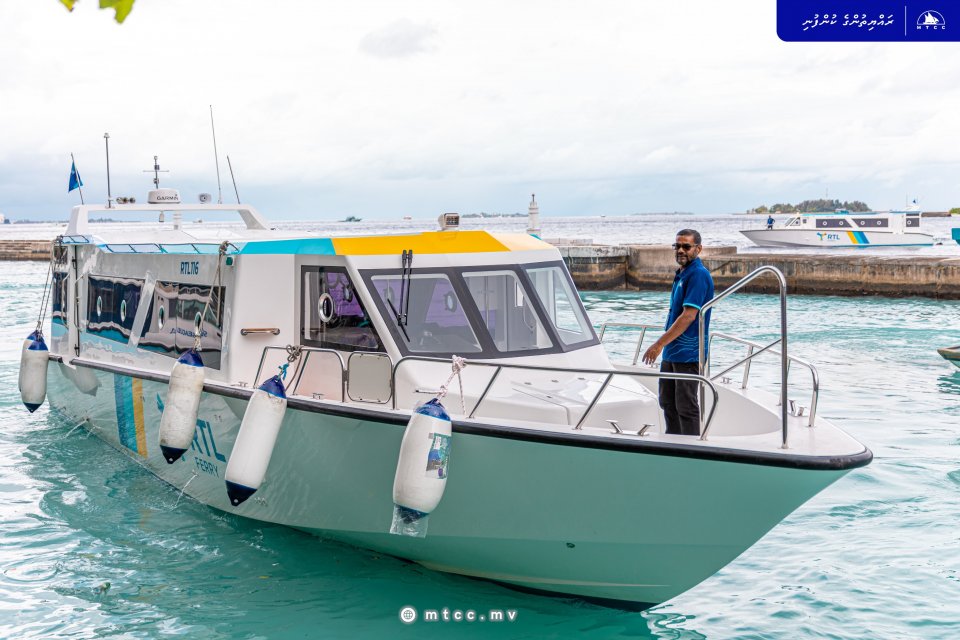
{"type": "Point", "coordinates": [692, 287]}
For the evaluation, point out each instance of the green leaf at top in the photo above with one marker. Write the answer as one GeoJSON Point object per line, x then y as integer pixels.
{"type": "Point", "coordinates": [121, 8]}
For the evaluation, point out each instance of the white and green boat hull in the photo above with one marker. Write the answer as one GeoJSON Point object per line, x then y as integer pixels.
{"type": "Point", "coordinates": [628, 521]}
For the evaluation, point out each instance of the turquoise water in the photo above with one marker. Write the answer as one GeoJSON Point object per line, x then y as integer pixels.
{"type": "Point", "coordinates": [91, 545]}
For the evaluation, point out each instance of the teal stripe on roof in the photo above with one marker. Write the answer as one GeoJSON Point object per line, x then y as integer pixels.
{"type": "Point", "coordinates": [315, 246]}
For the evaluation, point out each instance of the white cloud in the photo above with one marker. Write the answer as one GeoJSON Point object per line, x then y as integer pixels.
{"type": "Point", "coordinates": [616, 108]}
{"type": "Point", "coordinates": [400, 39]}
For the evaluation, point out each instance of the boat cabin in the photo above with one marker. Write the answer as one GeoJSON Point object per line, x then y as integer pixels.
{"type": "Point", "coordinates": [344, 312]}
{"type": "Point", "coordinates": [843, 220]}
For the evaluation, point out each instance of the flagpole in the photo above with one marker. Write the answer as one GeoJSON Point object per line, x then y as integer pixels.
{"type": "Point", "coordinates": [106, 142]}
{"type": "Point", "coordinates": [79, 181]}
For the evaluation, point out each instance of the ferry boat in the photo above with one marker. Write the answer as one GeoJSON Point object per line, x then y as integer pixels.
{"type": "Point", "coordinates": [557, 473]}
{"type": "Point", "coordinates": [845, 229]}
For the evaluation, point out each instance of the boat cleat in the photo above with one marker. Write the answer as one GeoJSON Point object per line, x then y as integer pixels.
{"type": "Point", "coordinates": [796, 410]}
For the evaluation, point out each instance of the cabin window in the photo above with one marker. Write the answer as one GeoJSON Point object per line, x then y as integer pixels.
{"type": "Point", "coordinates": [176, 315]}
{"type": "Point", "coordinates": [59, 304]}
{"type": "Point", "coordinates": [112, 304]}
{"type": "Point", "coordinates": [869, 223]}
{"type": "Point", "coordinates": [832, 223]}
{"type": "Point", "coordinates": [556, 294]}
{"type": "Point", "coordinates": [333, 316]}
{"type": "Point", "coordinates": [426, 313]}
{"type": "Point", "coordinates": [506, 310]}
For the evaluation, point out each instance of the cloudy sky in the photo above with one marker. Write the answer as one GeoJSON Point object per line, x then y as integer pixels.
{"type": "Point", "coordinates": [385, 109]}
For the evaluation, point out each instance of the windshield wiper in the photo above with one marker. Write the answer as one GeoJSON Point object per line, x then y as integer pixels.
{"type": "Point", "coordinates": [406, 265]}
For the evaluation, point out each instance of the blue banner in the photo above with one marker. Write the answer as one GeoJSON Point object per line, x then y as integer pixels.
{"type": "Point", "coordinates": [868, 21]}
{"type": "Point", "coordinates": [75, 181]}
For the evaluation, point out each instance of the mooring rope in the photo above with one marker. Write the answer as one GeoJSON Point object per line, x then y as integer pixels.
{"type": "Point", "coordinates": [184, 490]}
{"type": "Point", "coordinates": [217, 282]}
{"type": "Point", "coordinates": [83, 422]}
{"type": "Point", "coordinates": [48, 284]}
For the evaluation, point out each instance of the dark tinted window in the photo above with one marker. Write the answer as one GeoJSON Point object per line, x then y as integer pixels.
{"type": "Point", "coordinates": [435, 320]}
{"type": "Point", "coordinates": [332, 315]}
{"type": "Point", "coordinates": [174, 317]}
{"type": "Point", "coordinates": [112, 304]}
{"type": "Point", "coordinates": [59, 304]}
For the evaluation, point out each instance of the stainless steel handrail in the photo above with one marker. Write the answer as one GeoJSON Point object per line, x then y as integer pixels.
{"type": "Point", "coordinates": [631, 325]}
{"type": "Point", "coordinates": [298, 372]}
{"type": "Point", "coordinates": [815, 376]}
{"type": "Point", "coordinates": [784, 360]}
{"type": "Point", "coordinates": [599, 372]}
{"type": "Point", "coordinates": [306, 359]}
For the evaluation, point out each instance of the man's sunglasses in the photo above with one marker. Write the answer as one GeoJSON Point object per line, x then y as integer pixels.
{"type": "Point", "coordinates": [686, 246]}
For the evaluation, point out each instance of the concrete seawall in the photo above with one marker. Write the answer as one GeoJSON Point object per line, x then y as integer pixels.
{"type": "Point", "coordinates": [25, 250]}
{"type": "Point", "coordinates": [610, 268]}
{"type": "Point", "coordinates": [653, 267]}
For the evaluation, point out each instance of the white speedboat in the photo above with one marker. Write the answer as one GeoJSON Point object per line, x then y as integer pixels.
{"type": "Point", "coordinates": [845, 229]}
{"type": "Point", "coordinates": [560, 479]}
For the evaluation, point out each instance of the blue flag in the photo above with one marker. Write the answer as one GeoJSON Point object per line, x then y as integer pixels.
{"type": "Point", "coordinates": [75, 181]}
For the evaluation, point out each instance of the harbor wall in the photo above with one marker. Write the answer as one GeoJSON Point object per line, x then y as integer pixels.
{"type": "Point", "coordinates": [25, 250]}
{"type": "Point", "coordinates": [632, 267]}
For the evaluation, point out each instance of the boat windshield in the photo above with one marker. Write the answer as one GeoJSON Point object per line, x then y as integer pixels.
{"type": "Point", "coordinates": [561, 303]}
{"type": "Point", "coordinates": [486, 312]}
{"type": "Point", "coordinates": [429, 316]}
{"type": "Point", "coordinates": [507, 312]}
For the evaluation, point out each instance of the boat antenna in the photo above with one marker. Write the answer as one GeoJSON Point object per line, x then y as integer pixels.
{"type": "Point", "coordinates": [156, 172]}
{"type": "Point", "coordinates": [106, 142]}
{"type": "Point", "coordinates": [216, 157]}
{"type": "Point", "coordinates": [234, 180]}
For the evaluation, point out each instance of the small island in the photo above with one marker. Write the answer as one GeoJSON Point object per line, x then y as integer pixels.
{"type": "Point", "coordinates": [484, 214]}
{"type": "Point", "coordinates": [813, 206]}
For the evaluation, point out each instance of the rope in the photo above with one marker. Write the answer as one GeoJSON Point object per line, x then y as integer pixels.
{"type": "Point", "coordinates": [293, 352]}
{"type": "Point", "coordinates": [458, 365]}
{"type": "Point", "coordinates": [183, 491]}
{"type": "Point", "coordinates": [222, 251]}
{"type": "Point", "coordinates": [48, 284]}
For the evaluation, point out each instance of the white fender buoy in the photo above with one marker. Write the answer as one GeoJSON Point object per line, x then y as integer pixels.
{"type": "Point", "coordinates": [254, 445]}
{"type": "Point", "coordinates": [85, 380]}
{"type": "Point", "coordinates": [421, 469]}
{"type": "Point", "coordinates": [34, 358]}
{"type": "Point", "coordinates": [178, 423]}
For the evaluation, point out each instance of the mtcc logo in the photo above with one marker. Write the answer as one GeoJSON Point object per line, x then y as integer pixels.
{"type": "Point", "coordinates": [931, 20]}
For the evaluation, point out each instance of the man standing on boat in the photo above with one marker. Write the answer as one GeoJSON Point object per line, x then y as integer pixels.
{"type": "Point", "coordinates": [692, 288]}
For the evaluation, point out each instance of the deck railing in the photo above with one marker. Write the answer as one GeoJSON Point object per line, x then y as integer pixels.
{"type": "Point", "coordinates": [754, 349]}
{"type": "Point", "coordinates": [301, 358]}
{"type": "Point", "coordinates": [606, 373]}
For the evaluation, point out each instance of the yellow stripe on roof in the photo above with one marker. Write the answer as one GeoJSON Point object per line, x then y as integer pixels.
{"type": "Point", "coordinates": [438, 242]}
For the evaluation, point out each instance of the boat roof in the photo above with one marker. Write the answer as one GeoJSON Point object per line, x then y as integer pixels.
{"type": "Point", "coordinates": [258, 238]}
{"type": "Point", "coordinates": [427, 242]}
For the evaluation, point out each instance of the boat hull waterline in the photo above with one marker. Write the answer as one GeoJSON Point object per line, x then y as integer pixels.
{"type": "Point", "coordinates": [615, 530]}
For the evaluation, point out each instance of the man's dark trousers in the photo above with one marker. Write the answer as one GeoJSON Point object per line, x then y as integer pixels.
{"type": "Point", "coordinates": [680, 400]}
